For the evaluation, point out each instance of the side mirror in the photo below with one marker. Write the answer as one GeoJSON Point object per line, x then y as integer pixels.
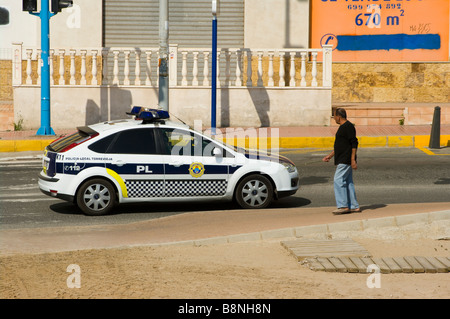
{"type": "Point", "coordinates": [217, 152]}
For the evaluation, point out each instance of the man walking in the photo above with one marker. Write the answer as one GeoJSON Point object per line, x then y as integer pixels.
{"type": "Point", "coordinates": [345, 147]}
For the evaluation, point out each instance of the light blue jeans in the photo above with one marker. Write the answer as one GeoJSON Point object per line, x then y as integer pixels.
{"type": "Point", "coordinates": [344, 189]}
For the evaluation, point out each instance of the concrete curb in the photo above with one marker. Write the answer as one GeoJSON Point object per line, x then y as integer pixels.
{"type": "Point", "coordinates": [330, 230]}
{"type": "Point", "coordinates": [265, 142]}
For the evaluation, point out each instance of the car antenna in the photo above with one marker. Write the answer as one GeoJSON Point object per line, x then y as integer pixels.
{"type": "Point", "coordinates": [171, 114]}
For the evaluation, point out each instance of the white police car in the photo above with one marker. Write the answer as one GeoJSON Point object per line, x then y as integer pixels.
{"type": "Point", "coordinates": [150, 158]}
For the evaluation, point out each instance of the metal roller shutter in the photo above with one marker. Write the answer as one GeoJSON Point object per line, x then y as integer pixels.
{"type": "Point", "coordinates": [135, 23]}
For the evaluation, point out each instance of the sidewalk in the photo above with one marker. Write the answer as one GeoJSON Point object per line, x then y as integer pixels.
{"type": "Point", "coordinates": [288, 137]}
{"type": "Point", "coordinates": [199, 228]}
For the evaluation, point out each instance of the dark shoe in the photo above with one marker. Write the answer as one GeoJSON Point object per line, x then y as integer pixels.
{"type": "Point", "coordinates": [341, 211]}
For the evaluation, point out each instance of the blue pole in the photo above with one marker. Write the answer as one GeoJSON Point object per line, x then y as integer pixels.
{"type": "Point", "coordinates": [45, 16]}
{"type": "Point", "coordinates": [214, 76]}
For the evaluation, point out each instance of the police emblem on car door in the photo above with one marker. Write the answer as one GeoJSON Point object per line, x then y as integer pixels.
{"type": "Point", "coordinates": [191, 167]}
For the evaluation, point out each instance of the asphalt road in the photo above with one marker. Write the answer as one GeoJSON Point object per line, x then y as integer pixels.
{"type": "Point", "coordinates": [384, 176]}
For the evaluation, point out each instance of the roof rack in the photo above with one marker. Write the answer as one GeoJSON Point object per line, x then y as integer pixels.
{"type": "Point", "coordinates": [148, 115]}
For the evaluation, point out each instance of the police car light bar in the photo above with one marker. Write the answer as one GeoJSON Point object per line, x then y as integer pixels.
{"type": "Point", "coordinates": [153, 115]}
{"type": "Point", "coordinates": [148, 115]}
{"type": "Point", "coordinates": [136, 110]}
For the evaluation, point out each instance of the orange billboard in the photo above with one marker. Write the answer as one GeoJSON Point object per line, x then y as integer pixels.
{"type": "Point", "coordinates": [382, 30]}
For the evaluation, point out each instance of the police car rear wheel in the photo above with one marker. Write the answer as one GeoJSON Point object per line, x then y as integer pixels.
{"type": "Point", "coordinates": [96, 197]}
{"type": "Point", "coordinates": [254, 191]}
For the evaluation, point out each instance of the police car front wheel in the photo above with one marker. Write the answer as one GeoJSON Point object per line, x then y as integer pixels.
{"type": "Point", "coordinates": [96, 197]}
{"type": "Point", "coordinates": [254, 191]}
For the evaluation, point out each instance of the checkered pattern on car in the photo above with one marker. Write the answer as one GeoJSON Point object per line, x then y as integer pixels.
{"type": "Point", "coordinates": [174, 188]}
{"type": "Point", "coordinates": [145, 188]}
{"type": "Point", "coordinates": [195, 188]}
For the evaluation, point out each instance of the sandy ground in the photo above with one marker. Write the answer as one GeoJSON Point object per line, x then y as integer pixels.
{"type": "Point", "coordinates": [261, 269]}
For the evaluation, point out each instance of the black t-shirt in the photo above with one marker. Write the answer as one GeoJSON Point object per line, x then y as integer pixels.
{"type": "Point", "coordinates": [344, 142]}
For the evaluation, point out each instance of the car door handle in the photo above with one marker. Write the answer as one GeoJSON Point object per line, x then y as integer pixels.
{"type": "Point", "coordinates": [118, 163]}
{"type": "Point", "coordinates": [176, 164]}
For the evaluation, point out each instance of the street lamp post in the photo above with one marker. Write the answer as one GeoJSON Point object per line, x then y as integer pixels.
{"type": "Point", "coordinates": [45, 14]}
{"type": "Point", "coordinates": [215, 13]}
{"type": "Point", "coordinates": [163, 91]}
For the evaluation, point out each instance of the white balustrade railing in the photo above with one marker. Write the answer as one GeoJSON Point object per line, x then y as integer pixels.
{"type": "Point", "coordinates": [188, 67]}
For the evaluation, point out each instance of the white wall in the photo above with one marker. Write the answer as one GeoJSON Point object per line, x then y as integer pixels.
{"type": "Point", "coordinates": [236, 107]}
{"type": "Point", "coordinates": [79, 26]}
{"type": "Point", "coordinates": [22, 27]}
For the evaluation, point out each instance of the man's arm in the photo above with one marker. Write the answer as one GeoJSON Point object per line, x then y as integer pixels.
{"type": "Point", "coordinates": [354, 143]}
{"type": "Point", "coordinates": [328, 157]}
{"type": "Point", "coordinates": [354, 164]}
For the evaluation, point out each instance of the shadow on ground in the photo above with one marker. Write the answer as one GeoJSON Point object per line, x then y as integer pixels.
{"type": "Point", "coordinates": [66, 208]}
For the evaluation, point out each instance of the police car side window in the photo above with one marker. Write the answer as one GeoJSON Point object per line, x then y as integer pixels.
{"type": "Point", "coordinates": [185, 143]}
{"type": "Point", "coordinates": [102, 145]}
{"type": "Point", "coordinates": [135, 141]}
{"type": "Point", "coordinates": [178, 142]}
{"type": "Point", "coordinates": [209, 146]}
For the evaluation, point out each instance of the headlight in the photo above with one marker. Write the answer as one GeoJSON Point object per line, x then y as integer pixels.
{"type": "Point", "coordinates": [290, 168]}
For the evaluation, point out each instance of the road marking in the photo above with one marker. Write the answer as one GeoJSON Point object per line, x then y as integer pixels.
{"type": "Point", "coordinates": [5, 195]}
{"type": "Point", "coordinates": [27, 200]}
{"type": "Point", "coordinates": [428, 152]}
{"type": "Point", "coordinates": [20, 165]}
{"type": "Point", "coordinates": [15, 161]}
{"type": "Point", "coordinates": [19, 187]}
